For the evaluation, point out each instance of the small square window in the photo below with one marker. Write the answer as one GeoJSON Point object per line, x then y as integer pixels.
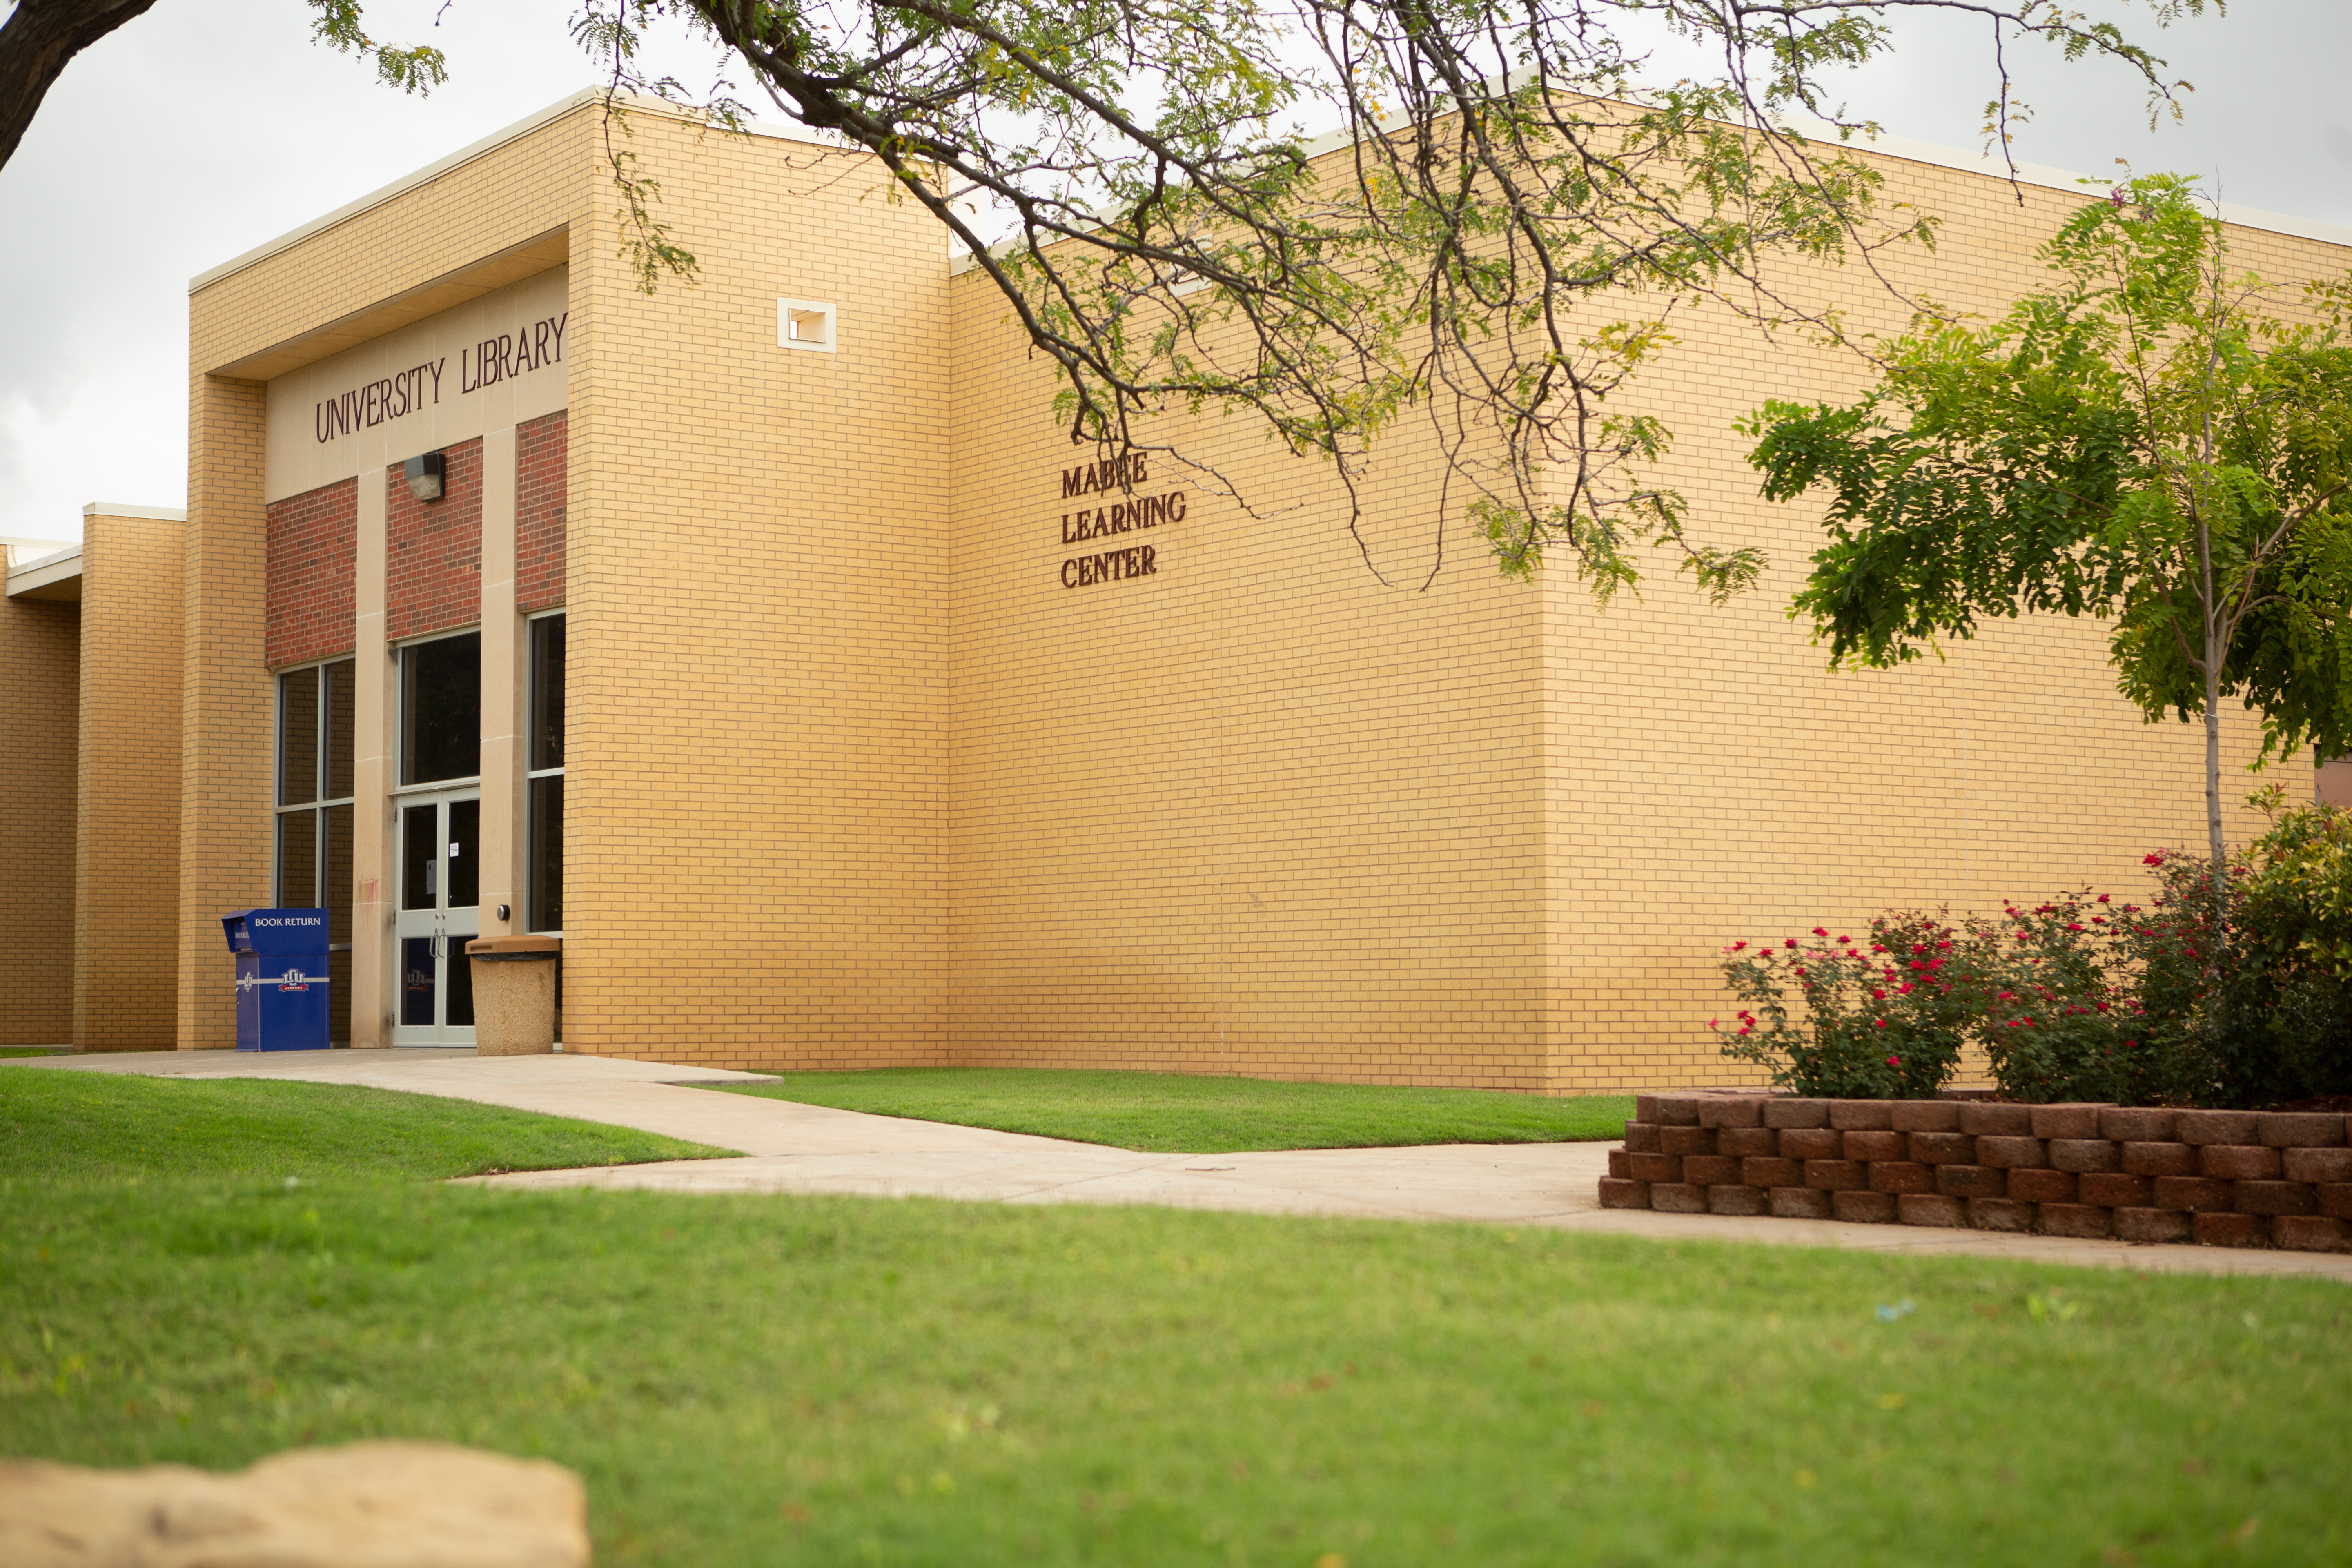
{"type": "Point", "coordinates": [804, 324]}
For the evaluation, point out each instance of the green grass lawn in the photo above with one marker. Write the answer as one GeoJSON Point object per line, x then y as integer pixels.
{"type": "Point", "coordinates": [63, 1124]}
{"type": "Point", "coordinates": [31, 1051]}
{"type": "Point", "coordinates": [782, 1381]}
{"type": "Point", "coordinates": [1184, 1113]}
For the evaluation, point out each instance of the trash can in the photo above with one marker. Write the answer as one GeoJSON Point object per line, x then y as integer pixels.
{"type": "Point", "coordinates": [281, 978]}
{"type": "Point", "coordinates": [514, 994]}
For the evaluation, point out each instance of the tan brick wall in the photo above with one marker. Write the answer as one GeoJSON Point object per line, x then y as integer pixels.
{"type": "Point", "coordinates": [40, 663]}
{"type": "Point", "coordinates": [224, 699]}
{"type": "Point", "coordinates": [126, 837]}
{"type": "Point", "coordinates": [1258, 812]}
{"type": "Point", "coordinates": [756, 604]}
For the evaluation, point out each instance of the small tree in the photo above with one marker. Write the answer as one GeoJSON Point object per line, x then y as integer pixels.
{"type": "Point", "coordinates": [2148, 441]}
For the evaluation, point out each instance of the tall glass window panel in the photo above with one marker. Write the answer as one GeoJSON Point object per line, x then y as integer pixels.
{"type": "Point", "coordinates": [441, 710]}
{"type": "Point", "coordinates": [338, 689]}
{"type": "Point", "coordinates": [297, 737]}
{"type": "Point", "coordinates": [546, 692]}
{"type": "Point", "coordinates": [544, 907]}
{"type": "Point", "coordinates": [547, 853]}
{"type": "Point", "coordinates": [312, 844]}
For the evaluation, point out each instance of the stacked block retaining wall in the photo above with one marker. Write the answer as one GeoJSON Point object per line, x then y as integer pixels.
{"type": "Point", "coordinates": [2225, 1178]}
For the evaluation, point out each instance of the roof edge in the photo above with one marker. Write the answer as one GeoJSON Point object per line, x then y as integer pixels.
{"type": "Point", "coordinates": [2037, 174]}
{"type": "Point", "coordinates": [639, 102]}
{"type": "Point", "coordinates": [124, 509]}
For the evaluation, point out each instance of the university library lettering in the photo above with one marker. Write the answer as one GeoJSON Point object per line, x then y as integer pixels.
{"type": "Point", "coordinates": [487, 363]}
{"type": "Point", "coordinates": [1120, 517]}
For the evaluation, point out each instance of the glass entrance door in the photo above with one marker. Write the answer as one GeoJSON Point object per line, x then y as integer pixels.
{"type": "Point", "coordinates": [440, 873]}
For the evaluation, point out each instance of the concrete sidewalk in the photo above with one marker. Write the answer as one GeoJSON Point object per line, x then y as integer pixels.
{"type": "Point", "coordinates": [793, 1148]}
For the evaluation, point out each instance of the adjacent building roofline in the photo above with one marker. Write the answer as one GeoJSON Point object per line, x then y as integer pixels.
{"type": "Point", "coordinates": [56, 575]}
{"type": "Point", "coordinates": [123, 509]}
{"type": "Point", "coordinates": [636, 102]}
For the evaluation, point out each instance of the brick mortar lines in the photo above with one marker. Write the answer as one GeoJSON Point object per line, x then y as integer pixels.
{"type": "Point", "coordinates": [2225, 1178]}
{"type": "Point", "coordinates": [313, 557]}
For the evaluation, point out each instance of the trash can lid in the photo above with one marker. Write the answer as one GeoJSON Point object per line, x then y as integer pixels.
{"type": "Point", "coordinates": [515, 947]}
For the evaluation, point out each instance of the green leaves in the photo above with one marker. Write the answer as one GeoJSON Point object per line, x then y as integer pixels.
{"type": "Point", "coordinates": [2149, 440]}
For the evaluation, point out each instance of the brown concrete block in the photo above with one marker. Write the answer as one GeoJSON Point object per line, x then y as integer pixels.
{"type": "Point", "coordinates": [2239, 1162]}
{"type": "Point", "coordinates": [2009, 1154]}
{"type": "Point", "coordinates": [1735, 1197]}
{"type": "Point", "coordinates": [2300, 1130]}
{"type": "Point", "coordinates": [2113, 1189]}
{"type": "Point", "coordinates": [1800, 1202]}
{"type": "Point", "coordinates": [1654, 1167]}
{"type": "Point", "coordinates": [1677, 1197]}
{"type": "Point", "coordinates": [1673, 1110]}
{"type": "Point", "coordinates": [2231, 1229]}
{"type": "Point", "coordinates": [2334, 1199]}
{"type": "Point", "coordinates": [1811, 1144]}
{"type": "Point", "coordinates": [2158, 1159]}
{"type": "Point", "coordinates": [1996, 1117]}
{"type": "Point", "coordinates": [1864, 1209]}
{"type": "Point", "coordinates": [2039, 1185]}
{"type": "Point", "coordinates": [1771, 1171]}
{"type": "Point", "coordinates": [1642, 1138]}
{"type": "Point", "coordinates": [2311, 1233]}
{"type": "Point", "coordinates": [1617, 1194]}
{"type": "Point", "coordinates": [2134, 1124]}
{"type": "Point", "coordinates": [1710, 1170]}
{"type": "Point", "coordinates": [1732, 1110]}
{"type": "Point", "coordinates": [1876, 1144]}
{"type": "Point", "coordinates": [2216, 1126]}
{"type": "Point", "coordinates": [1931, 1209]}
{"type": "Point", "coordinates": [1739, 1143]}
{"type": "Point", "coordinates": [2273, 1197]}
{"type": "Point", "coordinates": [1674, 1139]}
{"type": "Point", "coordinates": [2079, 1154]}
{"type": "Point", "coordinates": [1621, 1165]}
{"type": "Point", "coordinates": [1901, 1177]}
{"type": "Point", "coordinates": [1862, 1115]}
{"type": "Point", "coordinates": [2083, 1222]}
{"type": "Point", "coordinates": [1971, 1181]}
{"type": "Point", "coordinates": [1646, 1108]}
{"type": "Point", "coordinates": [2150, 1225]}
{"type": "Point", "coordinates": [1796, 1113]}
{"type": "Point", "coordinates": [1925, 1116]}
{"type": "Point", "coordinates": [2316, 1164]}
{"type": "Point", "coordinates": [1835, 1176]}
{"type": "Point", "coordinates": [1942, 1148]}
{"type": "Point", "coordinates": [2070, 1119]}
{"type": "Point", "coordinates": [2199, 1194]}
{"type": "Point", "coordinates": [2000, 1213]}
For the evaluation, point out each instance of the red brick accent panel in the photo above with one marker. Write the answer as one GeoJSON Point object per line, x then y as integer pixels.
{"type": "Point", "coordinates": [313, 548]}
{"type": "Point", "coordinates": [433, 550]}
{"type": "Point", "coordinates": [539, 499]}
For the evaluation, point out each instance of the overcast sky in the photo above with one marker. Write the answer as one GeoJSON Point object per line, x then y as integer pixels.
{"type": "Point", "coordinates": [200, 131]}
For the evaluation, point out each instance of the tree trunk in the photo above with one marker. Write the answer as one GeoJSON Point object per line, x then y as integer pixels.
{"type": "Point", "coordinates": [36, 41]}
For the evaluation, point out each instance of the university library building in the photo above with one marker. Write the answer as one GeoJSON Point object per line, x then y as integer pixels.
{"type": "Point", "coordinates": [767, 641]}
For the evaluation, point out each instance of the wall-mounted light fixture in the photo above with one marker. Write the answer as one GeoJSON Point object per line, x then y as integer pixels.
{"type": "Point", "coordinates": [427, 476]}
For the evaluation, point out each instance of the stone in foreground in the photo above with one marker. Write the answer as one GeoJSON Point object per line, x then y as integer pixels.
{"type": "Point", "coordinates": [369, 1505]}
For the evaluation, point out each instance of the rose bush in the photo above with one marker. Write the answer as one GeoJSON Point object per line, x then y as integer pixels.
{"type": "Point", "coordinates": [2179, 1001]}
{"type": "Point", "coordinates": [1882, 1018]}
